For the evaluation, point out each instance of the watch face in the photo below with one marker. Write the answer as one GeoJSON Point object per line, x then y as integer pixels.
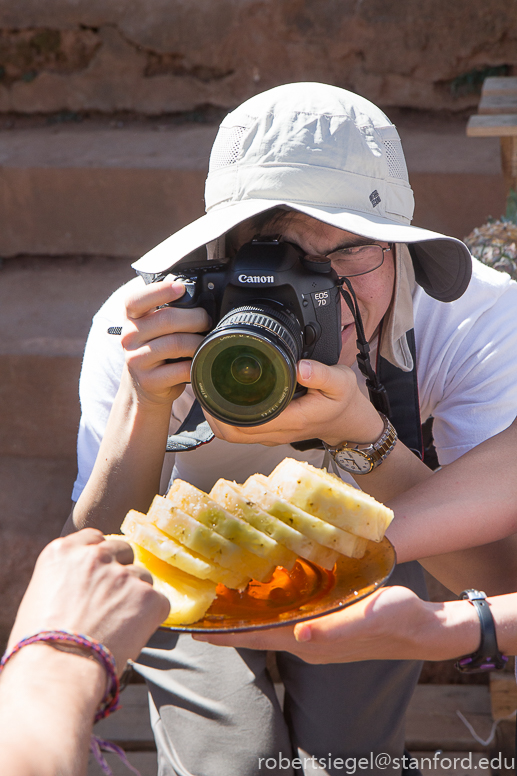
{"type": "Point", "coordinates": [353, 461]}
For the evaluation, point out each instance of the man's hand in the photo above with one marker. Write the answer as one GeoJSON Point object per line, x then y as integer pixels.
{"type": "Point", "coordinates": [85, 584]}
{"type": "Point", "coordinates": [391, 624]}
{"type": "Point", "coordinates": [153, 334]}
{"type": "Point", "coordinates": [333, 409]}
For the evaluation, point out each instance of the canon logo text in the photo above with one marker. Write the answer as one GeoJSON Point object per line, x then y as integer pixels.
{"type": "Point", "coordinates": [256, 278]}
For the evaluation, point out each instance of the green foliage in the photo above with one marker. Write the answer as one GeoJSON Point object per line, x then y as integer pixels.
{"type": "Point", "coordinates": [511, 207]}
{"type": "Point", "coordinates": [471, 82]}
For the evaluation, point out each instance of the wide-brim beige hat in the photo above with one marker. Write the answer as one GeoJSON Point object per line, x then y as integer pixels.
{"type": "Point", "coordinates": [325, 152]}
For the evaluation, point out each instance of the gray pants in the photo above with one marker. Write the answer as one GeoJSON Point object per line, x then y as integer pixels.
{"type": "Point", "coordinates": [215, 713]}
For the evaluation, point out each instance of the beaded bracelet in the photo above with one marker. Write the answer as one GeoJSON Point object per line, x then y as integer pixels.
{"type": "Point", "coordinates": [110, 701]}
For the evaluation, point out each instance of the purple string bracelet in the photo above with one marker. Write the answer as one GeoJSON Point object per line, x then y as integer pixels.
{"type": "Point", "coordinates": [110, 701]}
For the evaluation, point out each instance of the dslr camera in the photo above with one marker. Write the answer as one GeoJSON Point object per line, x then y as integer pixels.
{"type": "Point", "coordinates": [271, 306]}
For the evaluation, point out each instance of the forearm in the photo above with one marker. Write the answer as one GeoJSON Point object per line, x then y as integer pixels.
{"type": "Point", "coordinates": [470, 502]}
{"type": "Point", "coordinates": [455, 629]}
{"type": "Point", "coordinates": [491, 567]}
{"type": "Point", "coordinates": [127, 470]}
{"type": "Point", "coordinates": [48, 700]}
{"type": "Point", "coordinates": [399, 472]}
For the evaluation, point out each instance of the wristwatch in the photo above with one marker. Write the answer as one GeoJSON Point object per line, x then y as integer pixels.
{"type": "Point", "coordinates": [357, 458]}
{"type": "Point", "coordinates": [487, 656]}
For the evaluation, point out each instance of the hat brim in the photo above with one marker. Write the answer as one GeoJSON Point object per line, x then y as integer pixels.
{"type": "Point", "coordinates": [443, 265]}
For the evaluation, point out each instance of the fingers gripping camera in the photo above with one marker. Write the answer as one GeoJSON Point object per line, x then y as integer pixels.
{"type": "Point", "coordinates": [272, 306]}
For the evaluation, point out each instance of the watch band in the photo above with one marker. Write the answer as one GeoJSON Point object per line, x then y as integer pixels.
{"type": "Point", "coordinates": [374, 453]}
{"type": "Point", "coordinates": [487, 656]}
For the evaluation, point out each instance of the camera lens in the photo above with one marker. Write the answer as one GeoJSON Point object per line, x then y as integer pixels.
{"type": "Point", "coordinates": [244, 372]}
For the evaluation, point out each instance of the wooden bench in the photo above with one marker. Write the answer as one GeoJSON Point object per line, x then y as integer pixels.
{"type": "Point", "coordinates": [497, 117]}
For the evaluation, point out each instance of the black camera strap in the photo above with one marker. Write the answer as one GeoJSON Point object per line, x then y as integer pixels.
{"type": "Point", "coordinates": [376, 390]}
{"type": "Point", "coordinates": [391, 390]}
{"type": "Point", "coordinates": [193, 432]}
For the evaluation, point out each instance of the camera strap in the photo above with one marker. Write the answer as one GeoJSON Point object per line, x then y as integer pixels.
{"type": "Point", "coordinates": [193, 432]}
{"type": "Point", "coordinates": [376, 390]}
{"type": "Point", "coordinates": [391, 390]}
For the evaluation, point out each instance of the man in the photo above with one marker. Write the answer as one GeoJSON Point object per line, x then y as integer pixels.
{"type": "Point", "coordinates": [322, 169]}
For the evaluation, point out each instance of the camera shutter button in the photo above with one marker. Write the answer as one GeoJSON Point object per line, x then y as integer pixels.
{"type": "Point", "coordinates": [310, 335]}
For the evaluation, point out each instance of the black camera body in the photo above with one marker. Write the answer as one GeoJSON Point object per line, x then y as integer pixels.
{"type": "Point", "coordinates": [270, 306]}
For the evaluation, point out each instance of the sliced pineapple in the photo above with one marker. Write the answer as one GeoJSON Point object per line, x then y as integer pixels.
{"type": "Point", "coordinates": [326, 496]}
{"type": "Point", "coordinates": [201, 540]}
{"type": "Point", "coordinates": [140, 530]}
{"type": "Point", "coordinates": [235, 499]}
{"type": "Point", "coordinates": [188, 596]}
{"type": "Point", "coordinates": [197, 504]}
{"type": "Point", "coordinates": [259, 489]}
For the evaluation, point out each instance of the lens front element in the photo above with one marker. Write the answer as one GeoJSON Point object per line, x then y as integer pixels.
{"type": "Point", "coordinates": [246, 369]}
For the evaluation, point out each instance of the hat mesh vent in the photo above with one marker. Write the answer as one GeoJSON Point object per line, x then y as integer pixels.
{"type": "Point", "coordinates": [395, 158]}
{"type": "Point", "coordinates": [226, 148]}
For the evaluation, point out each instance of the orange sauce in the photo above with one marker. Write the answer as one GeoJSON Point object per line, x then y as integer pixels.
{"type": "Point", "coordinates": [285, 591]}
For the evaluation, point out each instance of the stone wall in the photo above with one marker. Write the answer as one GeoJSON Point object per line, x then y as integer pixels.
{"type": "Point", "coordinates": [167, 56]}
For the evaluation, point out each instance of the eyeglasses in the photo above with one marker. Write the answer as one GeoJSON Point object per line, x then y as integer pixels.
{"type": "Point", "coordinates": [358, 260]}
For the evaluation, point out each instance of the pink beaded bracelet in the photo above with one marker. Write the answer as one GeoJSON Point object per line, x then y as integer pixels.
{"type": "Point", "coordinates": [110, 701]}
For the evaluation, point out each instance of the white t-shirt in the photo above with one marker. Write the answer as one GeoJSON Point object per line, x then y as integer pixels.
{"type": "Point", "coordinates": [466, 367]}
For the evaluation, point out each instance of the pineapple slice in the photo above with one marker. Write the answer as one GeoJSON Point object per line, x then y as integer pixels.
{"type": "Point", "coordinates": [235, 499]}
{"type": "Point", "coordinates": [259, 489]}
{"type": "Point", "coordinates": [140, 530]}
{"type": "Point", "coordinates": [326, 496]}
{"type": "Point", "coordinates": [198, 505]}
{"type": "Point", "coordinates": [188, 596]}
{"type": "Point", "coordinates": [201, 540]}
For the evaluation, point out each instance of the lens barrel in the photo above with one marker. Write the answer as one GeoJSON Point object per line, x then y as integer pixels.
{"type": "Point", "coordinates": [244, 372]}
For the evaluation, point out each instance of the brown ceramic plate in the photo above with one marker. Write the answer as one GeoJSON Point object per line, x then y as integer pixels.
{"type": "Point", "coordinates": [306, 592]}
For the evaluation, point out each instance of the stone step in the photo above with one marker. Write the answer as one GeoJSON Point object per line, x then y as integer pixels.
{"type": "Point", "coordinates": [97, 189]}
{"type": "Point", "coordinates": [92, 189]}
{"type": "Point", "coordinates": [46, 308]}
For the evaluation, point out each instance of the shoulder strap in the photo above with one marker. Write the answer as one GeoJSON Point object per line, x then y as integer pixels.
{"type": "Point", "coordinates": [402, 390]}
{"type": "Point", "coordinates": [193, 432]}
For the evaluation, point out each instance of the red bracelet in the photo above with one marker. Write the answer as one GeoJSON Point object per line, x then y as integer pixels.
{"type": "Point", "coordinates": [110, 701]}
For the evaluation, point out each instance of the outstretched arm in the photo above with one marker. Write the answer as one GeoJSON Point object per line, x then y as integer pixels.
{"type": "Point", "coordinates": [391, 624]}
{"type": "Point", "coordinates": [48, 697]}
{"type": "Point", "coordinates": [470, 502]}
